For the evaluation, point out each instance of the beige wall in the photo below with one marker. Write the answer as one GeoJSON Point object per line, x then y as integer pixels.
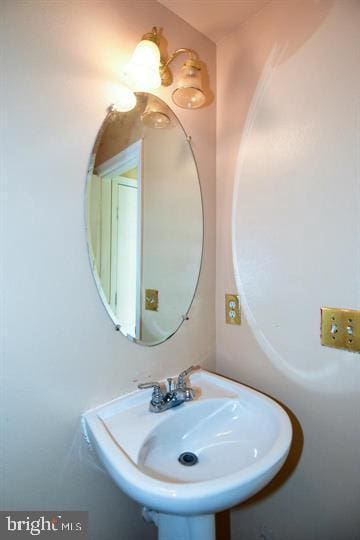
{"type": "Point", "coordinates": [288, 177]}
{"type": "Point", "coordinates": [60, 353]}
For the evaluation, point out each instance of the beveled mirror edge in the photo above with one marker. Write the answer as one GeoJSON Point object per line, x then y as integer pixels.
{"type": "Point", "coordinates": [116, 323]}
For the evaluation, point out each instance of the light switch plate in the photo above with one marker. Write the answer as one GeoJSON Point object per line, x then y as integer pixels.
{"type": "Point", "coordinates": [340, 328]}
{"type": "Point", "coordinates": [151, 299]}
{"type": "Point", "coordinates": [232, 309]}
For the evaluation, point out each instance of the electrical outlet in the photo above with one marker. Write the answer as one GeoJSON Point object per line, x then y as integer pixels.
{"type": "Point", "coordinates": [151, 299]}
{"type": "Point", "coordinates": [340, 328]}
{"type": "Point", "coordinates": [232, 309]}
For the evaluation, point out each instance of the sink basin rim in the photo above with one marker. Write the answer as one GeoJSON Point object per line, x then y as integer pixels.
{"type": "Point", "coordinates": [176, 497]}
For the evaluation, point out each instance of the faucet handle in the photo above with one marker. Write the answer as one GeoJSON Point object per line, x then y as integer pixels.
{"type": "Point", "coordinates": [185, 373]}
{"type": "Point", "coordinates": [145, 385]}
{"type": "Point", "coordinates": [157, 395]}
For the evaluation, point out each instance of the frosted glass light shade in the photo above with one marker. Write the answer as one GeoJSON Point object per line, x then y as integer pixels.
{"type": "Point", "coordinates": [155, 119]}
{"type": "Point", "coordinates": [188, 93]}
{"type": "Point", "coordinates": [142, 71]}
{"type": "Point", "coordinates": [156, 114]}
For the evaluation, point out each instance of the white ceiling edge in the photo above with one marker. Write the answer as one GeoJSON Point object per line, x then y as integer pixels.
{"type": "Point", "coordinates": [215, 18]}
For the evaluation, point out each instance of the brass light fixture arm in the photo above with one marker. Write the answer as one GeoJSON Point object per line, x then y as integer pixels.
{"type": "Point", "coordinates": [192, 54]}
{"type": "Point", "coordinates": [165, 73]}
{"type": "Point", "coordinates": [152, 36]}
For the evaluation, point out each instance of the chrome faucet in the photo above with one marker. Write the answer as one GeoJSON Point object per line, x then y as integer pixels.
{"type": "Point", "coordinates": [177, 393]}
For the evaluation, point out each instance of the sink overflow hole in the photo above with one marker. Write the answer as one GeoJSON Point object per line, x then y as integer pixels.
{"type": "Point", "coordinates": [188, 459]}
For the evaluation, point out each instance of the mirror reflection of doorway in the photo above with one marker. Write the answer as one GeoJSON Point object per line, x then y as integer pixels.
{"type": "Point", "coordinates": [125, 256]}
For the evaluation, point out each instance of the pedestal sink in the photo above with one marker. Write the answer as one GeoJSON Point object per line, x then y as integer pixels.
{"type": "Point", "coordinates": [231, 441]}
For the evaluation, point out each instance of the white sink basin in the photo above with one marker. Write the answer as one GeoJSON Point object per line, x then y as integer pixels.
{"type": "Point", "coordinates": [240, 437]}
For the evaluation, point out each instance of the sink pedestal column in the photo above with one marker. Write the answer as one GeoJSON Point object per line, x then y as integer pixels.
{"type": "Point", "coordinates": [173, 527]}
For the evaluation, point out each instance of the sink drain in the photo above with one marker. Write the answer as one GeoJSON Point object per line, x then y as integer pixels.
{"type": "Point", "coordinates": [188, 459]}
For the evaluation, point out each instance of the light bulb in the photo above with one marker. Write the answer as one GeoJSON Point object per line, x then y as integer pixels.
{"type": "Point", "coordinates": [142, 71]}
{"type": "Point", "coordinates": [124, 98]}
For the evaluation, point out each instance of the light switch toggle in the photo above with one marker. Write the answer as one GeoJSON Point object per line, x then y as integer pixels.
{"type": "Point", "coordinates": [350, 330]}
{"type": "Point", "coordinates": [334, 328]}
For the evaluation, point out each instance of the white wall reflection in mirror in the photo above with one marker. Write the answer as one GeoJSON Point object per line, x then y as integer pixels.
{"type": "Point", "coordinates": [144, 220]}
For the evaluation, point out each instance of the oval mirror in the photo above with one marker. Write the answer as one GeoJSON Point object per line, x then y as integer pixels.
{"type": "Point", "coordinates": [144, 220]}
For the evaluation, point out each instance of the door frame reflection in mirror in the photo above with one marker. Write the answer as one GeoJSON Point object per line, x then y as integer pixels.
{"type": "Point", "coordinates": [114, 170]}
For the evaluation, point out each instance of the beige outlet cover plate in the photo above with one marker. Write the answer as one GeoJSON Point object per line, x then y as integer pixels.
{"type": "Point", "coordinates": [232, 309]}
{"type": "Point", "coordinates": [151, 299]}
{"type": "Point", "coordinates": [340, 328]}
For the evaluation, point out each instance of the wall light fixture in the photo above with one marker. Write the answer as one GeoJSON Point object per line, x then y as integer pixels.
{"type": "Point", "coordinates": [147, 71]}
